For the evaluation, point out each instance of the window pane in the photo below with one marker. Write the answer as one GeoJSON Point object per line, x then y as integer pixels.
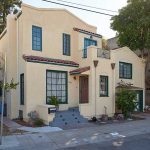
{"type": "Point", "coordinates": [125, 70]}
{"type": "Point", "coordinates": [88, 42]}
{"type": "Point", "coordinates": [56, 85]}
{"type": "Point", "coordinates": [103, 85]}
{"type": "Point", "coordinates": [49, 93]}
{"type": "Point", "coordinates": [66, 44]}
{"type": "Point", "coordinates": [36, 38]}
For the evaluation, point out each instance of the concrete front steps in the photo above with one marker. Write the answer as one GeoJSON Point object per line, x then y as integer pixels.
{"type": "Point", "coordinates": [70, 118]}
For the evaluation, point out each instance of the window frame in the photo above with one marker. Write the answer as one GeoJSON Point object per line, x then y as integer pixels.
{"type": "Point", "coordinates": [107, 88]}
{"type": "Point", "coordinates": [66, 82]}
{"type": "Point", "coordinates": [22, 89]}
{"type": "Point", "coordinates": [85, 47]}
{"type": "Point", "coordinates": [124, 76]}
{"type": "Point", "coordinates": [33, 46]}
{"type": "Point", "coordinates": [66, 49]}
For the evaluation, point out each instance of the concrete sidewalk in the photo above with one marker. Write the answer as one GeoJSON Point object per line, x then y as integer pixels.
{"type": "Point", "coordinates": [74, 137]}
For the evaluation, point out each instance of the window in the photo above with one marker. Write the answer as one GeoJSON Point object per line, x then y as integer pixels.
{"type": "Point", "coordinates": [36, 38]}
{"type": "Point", "coordinates": [88, 42]}
{"type": "Point", "coordinates": [22, 89]}
{"type": "Point", "coordinates": [66, 44]}
{"type": "Point", "coordinates": [57, 85]}
{"type": "Point", "coordinates": [125, 70]}
{"type": "Point", "coordinates": [103, 86]}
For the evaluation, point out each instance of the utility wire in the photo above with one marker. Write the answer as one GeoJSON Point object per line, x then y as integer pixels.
{"type": "Point", "coordinates": [79, 8]}
{"type": "Point", "coordinates": [88, 6]}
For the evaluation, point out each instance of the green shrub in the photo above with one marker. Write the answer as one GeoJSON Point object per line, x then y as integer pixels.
{"type": "Point", "coordinates": [126, 101]}
{"type": "Point", "coordinates": [53, 101]}
{"type": "Point", "coordinates": [38, 122]}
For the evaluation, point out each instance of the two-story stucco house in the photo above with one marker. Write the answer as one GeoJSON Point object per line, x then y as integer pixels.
{"type": "Point", "coordinates": [51, 52]}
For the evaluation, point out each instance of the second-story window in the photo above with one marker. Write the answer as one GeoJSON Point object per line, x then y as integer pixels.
{"type": "Point", "coordinates": [66, 44]}
{"type": "Point", "coordinates": [88, 42]}
{"type": "Point", "coordinates": [125, 70]}
{"type": "Point", "coordinates": [36, 38]}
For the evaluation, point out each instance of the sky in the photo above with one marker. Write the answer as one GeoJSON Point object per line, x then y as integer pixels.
{"type": "Point", "coordinates": [102, 22]}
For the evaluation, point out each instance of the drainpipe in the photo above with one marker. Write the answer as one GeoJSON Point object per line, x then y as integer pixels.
{"type": "Point", "coordinates": [113, 85]}
{"type": "Point", "coordinates": [17, 52]}
{"type": "Point", "coordinates": [95, 65]}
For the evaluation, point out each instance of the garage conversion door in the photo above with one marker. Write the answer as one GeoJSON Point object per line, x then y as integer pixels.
{"type": "Point", "coordinates": [56, 85]}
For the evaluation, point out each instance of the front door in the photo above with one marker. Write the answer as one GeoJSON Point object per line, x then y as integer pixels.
{"type": "Point", "coordinates": [83, 89]}
{"type": "Point", "coordinates": [139, 100]}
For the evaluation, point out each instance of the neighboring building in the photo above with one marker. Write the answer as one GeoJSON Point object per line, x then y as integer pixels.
{"type": "Point", "coordinates": [112, 43]}
{"type": "Point", "coordinates": [51, 52]}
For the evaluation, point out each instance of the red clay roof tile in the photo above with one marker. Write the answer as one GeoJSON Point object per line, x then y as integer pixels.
{"type": "Point", "coordinates": [87, 32]}
{"type": "Point", "coordinates": [80, 70]}
{"type": "Point", "coordinates": [31, 58]}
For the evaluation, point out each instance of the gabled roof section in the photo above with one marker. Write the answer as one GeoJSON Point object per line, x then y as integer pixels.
{"type": "Point", "coordinates": [87, 32]}
{"type": "Point", "coordinates": [80, 70]}
{"type": "Point", "coordinates": [57, 9]}
{"type": "Point", "coordinates": [45, 60]}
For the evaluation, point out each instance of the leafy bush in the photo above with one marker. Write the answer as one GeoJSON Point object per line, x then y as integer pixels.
{"type": "Point", "coordinates": [53, 101]}
{"type": "Point", "coordinates": [126, 101]}
{"type": "Point", "coordinates": [38, 122]}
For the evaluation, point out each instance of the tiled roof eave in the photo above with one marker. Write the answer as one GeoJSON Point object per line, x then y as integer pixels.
{"type": "Point", "coordinates": [36, 59]}
{"type": "Point", "coordinates": [87, 32]}
{"type": "Point", "coordinates": [79, 70]}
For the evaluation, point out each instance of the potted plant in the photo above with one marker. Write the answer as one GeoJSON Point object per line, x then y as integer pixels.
{"type": "Point", "coordinates": [53, 101]}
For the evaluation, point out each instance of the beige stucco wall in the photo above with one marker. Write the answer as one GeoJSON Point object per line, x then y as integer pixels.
{"type": "Point", "coordinates": [104, 68]}
{"type": "Point", "coordinates": [54, 23]}
{"type": "Point", "coordinates": [36, 86]}
{"type": "Point", "coordinates": [126, 55]}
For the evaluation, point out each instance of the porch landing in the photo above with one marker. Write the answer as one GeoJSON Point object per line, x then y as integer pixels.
{"type": "Point", "coordinates": [70, 119]}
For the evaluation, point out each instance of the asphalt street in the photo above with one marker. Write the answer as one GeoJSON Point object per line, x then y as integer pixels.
{"type": "Point", "coordinates": [138, 142]}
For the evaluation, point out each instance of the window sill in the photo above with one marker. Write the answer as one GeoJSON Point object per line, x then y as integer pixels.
{"type": "Point", "coordinates": [103, 96]}
{"type": "Point", "coordinates": [125, 78]}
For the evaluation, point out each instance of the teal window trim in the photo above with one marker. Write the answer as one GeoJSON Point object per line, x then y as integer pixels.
{"type": "Point", "coordinates": [66, 85]}
{"type": "Point", "coordinates": [22, 89]}
{"type": "Point", "coordinates": [125, 70]}
{"type": "Point", "coordinates": [36, 38]}
{"type": "Point", "coordinates": [66, 44]}
{"type": "Point", "coordinates": [105, 90]}
{"type": "Point", "coordinates": [88, 42]}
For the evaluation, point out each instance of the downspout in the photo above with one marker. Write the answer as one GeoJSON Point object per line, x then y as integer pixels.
{"type": "Point", "coordinates": [17, 52]}
{"type": "Point", "coordinates": [95, 65]}
{"type": "Point", "coordinates": [113, 84]}
{"type": "Point", "coordinates": [17, 38]}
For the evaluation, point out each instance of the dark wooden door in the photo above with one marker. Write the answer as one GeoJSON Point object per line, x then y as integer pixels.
{"type": "Point", "coordinates": [83, 89]}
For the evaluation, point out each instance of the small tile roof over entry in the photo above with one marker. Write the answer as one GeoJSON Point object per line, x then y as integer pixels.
{"type": "Point", "coordinates": [46, 60]}
{"type": "Point", "coordinates": [87, 32]}
{"type": "Point", "coordinates": [80, 70]}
